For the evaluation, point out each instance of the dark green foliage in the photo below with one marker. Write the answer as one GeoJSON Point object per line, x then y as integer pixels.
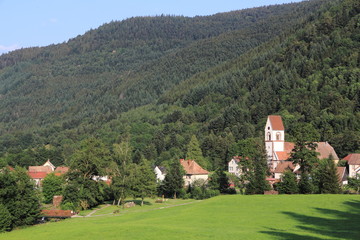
{"type": "Point", "coordinates": [5, 219]}
{"type": "Point", "coordinates": [173, 181]}
{"type": "Point", "coordinates": [219, 181]}
{"type": "Point", "coordinates": [145, 181]}
{"type": "Point", "coordinates": [328, 180]}
{"type": "Point", "coordinates": [354, 183]}
{"type": "Point", "coordinates": [305, 155]}
{"type": "Point", "coordinates": [194, 152]}
{"type": "Point", "coordinates": [306, 184]}
{"type": "Point", "coordinates": [52, 185]}
{"type": "Point", "coordinates": [163, 79]}
{"type": "Point", "coordinates": [83, 190]}
{"type": "Point", "coordinates": [288, 184]}
{"type": "Point", "coordinates": [18, 196]}
{"type": "Point", "coordinates": [91, 159]}
{"type": "Point", "coordinates": [258, 173]}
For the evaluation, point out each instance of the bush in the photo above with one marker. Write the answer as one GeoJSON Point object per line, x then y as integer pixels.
{"type": "Point", "coordinates": [69, 206]}
{"type": "Point", "coordinates": [5, 219]}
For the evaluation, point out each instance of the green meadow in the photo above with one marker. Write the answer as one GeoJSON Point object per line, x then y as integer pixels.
{"type": "Point", "coordinates": [224, 217]}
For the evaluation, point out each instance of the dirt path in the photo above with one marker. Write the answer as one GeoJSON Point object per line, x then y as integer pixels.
{"type": "Point", "coordinates": [124, 212]}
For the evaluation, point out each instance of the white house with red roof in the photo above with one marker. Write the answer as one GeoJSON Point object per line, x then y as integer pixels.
{"type": "Point", "coordinates": [38, 173]}
{"type": "Point", "coordinates": [353, 161]}
{"type": "Point", "coordinates": [234, 165]}
{"type": "Point", "coordinates": [193, 172]}
{"type": "Point", "coordinates": [278, 151]}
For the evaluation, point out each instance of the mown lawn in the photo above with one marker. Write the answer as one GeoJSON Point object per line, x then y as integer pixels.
{"type": "Point", "coordinates": [225, 217]}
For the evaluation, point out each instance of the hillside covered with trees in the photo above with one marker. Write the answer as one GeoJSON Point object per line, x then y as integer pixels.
{"type": "Point", "coordinates": [173, 83]}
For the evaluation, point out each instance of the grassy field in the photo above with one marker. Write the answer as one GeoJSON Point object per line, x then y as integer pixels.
{"type": "Point", "coordinates": [307, 217]}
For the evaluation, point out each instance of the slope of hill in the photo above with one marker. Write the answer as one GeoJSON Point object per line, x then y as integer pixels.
{"type": "Point", "coordinates": [125, 64]}
{"type": "Point", "coordinates": [217, 77]}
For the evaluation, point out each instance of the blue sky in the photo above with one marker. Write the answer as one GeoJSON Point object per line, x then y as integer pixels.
{"type": "Point", "coordinates": [28, 23]}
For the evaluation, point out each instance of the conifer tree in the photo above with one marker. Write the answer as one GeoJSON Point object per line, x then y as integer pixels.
{"type": "Point", "coordinates": [145, 181]}
{"type": "Point", "coordinates": [173, 182]}
{"type": "Point", "coordinates": [305, 185]}
{"type": "Point", "coordinates": [288, 184]}
{"type": "Point", "coordinates": [328, 177]}
{"type": "Point", "coordinates": [219, 181]}
{"type": "Point", "coordinates": [194, 152]}
{"type": "Point", "coordinates": [257, 178]}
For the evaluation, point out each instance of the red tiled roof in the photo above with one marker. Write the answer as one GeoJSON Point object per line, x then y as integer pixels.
{"type": "Point", "coordinates": [282, 155]}
{"type": "Point", "coordinates": [282, 166]}
{"type": "Point", "coordinates": [191, 167]}
{"type": "Point", "coordinates": [288, 147]}
{"type": "Point", "coordinates": [276, 122]}
{"type": "Point", "coordinates": [325, 150]}
{"type": "Point", "coordinates": [37, 175]}
{"type": "Point", "coordinates": [47, 169]}
{"type": "Point", "coordinates": [353, 159]}
{"type": "Point", "coordinates": [57, 213]}
{"type": "Point", "coordinates": [61, 170]}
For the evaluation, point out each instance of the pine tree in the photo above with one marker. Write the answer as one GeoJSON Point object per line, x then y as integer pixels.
{"type": "Point", "coordinates": [194, 152]}
{"type": "Point", "coordinates": [219, 181]}
{"type": "Point", "coordinates": [328, 177]}
{"type": "Point", "coordinates": [173, 182]}
{"type": "Point", "coordinates": [305, 185]}
{"type": "Point", "coordinates": [288, 184]}
{"type": "Point", "coordinates": [257, 178]}
{"type": "Point", "coordinates": [145, 181]}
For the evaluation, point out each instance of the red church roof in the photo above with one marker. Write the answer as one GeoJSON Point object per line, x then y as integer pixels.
{"type": "Point", "coordinates": [276, 122]}
{"type": "Point", "coordinates": [191, 167]}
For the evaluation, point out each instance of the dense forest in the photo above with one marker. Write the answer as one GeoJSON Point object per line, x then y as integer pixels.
{"type": "Point", "coordinates": [171, 82]}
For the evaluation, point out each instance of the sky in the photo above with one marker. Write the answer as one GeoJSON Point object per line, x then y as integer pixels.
{"type": "Point", "coordinates": [36, 23]}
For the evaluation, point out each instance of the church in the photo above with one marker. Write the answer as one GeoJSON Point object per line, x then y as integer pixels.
{"type": "Point", "coordinates": [278, 151]}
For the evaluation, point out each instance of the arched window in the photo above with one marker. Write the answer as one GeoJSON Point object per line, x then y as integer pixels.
{"type": "Point", "coordinates": [269, 136]}
{"type": "Point", "coordinates": [278, 136]}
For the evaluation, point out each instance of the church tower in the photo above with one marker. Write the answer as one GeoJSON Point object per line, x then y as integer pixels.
{"type": "Point", "coordinates": [274, 138]}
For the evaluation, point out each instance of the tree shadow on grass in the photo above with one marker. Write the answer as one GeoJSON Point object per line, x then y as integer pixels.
{"type": "Point", "coordinates": [335, 224]}
{"type": "Point", "coordinates": [138, 202]}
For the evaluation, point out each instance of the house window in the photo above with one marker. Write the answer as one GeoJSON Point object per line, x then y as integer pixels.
{"type": "Point", "coordinates": [278, 136]}
{"type": "Point", "coordinates": [269, 136]}
{"type": "Point", "coordinates": [230, 168]}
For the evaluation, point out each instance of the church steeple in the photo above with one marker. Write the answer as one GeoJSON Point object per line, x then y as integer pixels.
{"type": "Point", "coordinates": [274, 136]}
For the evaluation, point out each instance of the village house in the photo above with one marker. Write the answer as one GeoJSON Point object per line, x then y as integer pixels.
{"type": "Point", "coordinates": [353, 161]}
{"type": "Point", "coordinates": [193, 172]}
{"type": "Point", "coordinates": [38, 173]}
{"type": "Point", "coordinates": [234, 165]}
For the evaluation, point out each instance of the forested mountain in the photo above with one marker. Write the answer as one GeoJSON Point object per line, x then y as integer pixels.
{"type": "Point", "coordinates": [160, 80]}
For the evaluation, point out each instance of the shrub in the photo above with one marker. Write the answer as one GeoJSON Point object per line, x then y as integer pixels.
{"type": "Point", "coordinates": [5, 219]}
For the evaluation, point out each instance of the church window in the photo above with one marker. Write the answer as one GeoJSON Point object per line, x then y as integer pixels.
{"type": "Point", "coordinates": [278, 136]}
